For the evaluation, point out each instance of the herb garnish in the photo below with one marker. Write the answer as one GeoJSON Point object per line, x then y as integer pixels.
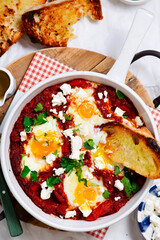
{"type": "Point", "coordinates": [116, 170]}
{"type": "Point", "coordinates": [69, 164]}
{"type": "Point", "coordinates": [25, 171]}
{"type": "Point", "coordinates": [51, 181]}
{"type": "Point", "coordinates": [56, 153]}
{"type": "Point", "coordinates": [125, 115]}
{"type": "Point", "coordinates": [120, 95]}
{"type": "Point", "coordinates": [75, 130]}
{"type": "Point", "coordinates": [27, 123]}
{"type": "Point", "coordinates": [33, 175]}
{"type": "Point", "coordinates": [128, 187]}
{"type": "Point", "coordinates": [23, 155]}
{"type": "Point", "coordinates": [38, 108]}
{"type": "Point", "coordinates": [89, 144]}
{"type": "Point", "coordinates": [106, 194]}
{"type": "Point", "coordinates": [44, 157]}
{"type": "Point", "coordinates": [67, 117]}
{"type": "Point", "coordinates": [41, 119]}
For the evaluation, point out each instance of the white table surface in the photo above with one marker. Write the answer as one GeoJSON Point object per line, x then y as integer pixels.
{"type": "Point", "coordinates": [105, 37]}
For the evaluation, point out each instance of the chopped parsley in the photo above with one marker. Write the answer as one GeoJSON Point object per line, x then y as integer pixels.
{"type": "Point", "coordinates": [51, 181]}
{"type": "Point", "coordinates": [68, 163]}
{"type": "Point", "coordinates": [89, 144]}
{"type": "Point", "coordinates": [23, 155]}
{"type": "Point", "coordinates": [27, 123]}
{"type": "Point", "coordinates": [120, 95]}
{"type": "Point", "coordinates": [41, 119]}
{"type": "Point", "coordinates": [116, 170]}
{"type": "Point", "coordinates": [67, 117]}
{"type": "Point", "coordinates": [25, 171]}
{"type": "Point", "coordinates": [75, 130]}
{"type": "Point", "coordinates": [44, 157]}
{"type": "Point", "coordinates": [54, 117]}
{"type": "Point", "coordinates": [106, 194]}
{"type": "Point", "coordinates": [125, 115]}
{"type": "Point", "coordinates": [127, 173]}
{"type": "Point", "coordinates": [56, 153]}
{"type": "Point", "coordinates": [38, 108]}
{"type": "Point", "coordinates": [128, 187]}
{"type": "Point", "coordinates": [33, 175]}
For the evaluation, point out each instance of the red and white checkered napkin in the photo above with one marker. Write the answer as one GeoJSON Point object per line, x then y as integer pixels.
{"type": "Point", "coordinates": [43, 67]}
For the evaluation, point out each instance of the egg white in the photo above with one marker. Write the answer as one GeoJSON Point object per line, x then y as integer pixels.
{"type": "Point", "coordinates": [70, 184]}
{"type": "Point", "coordinates": [86, 126]}
{"type": "Point", "coordinates": [34, 163]}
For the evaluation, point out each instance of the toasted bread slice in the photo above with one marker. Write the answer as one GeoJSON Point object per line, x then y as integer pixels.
{"type": "Point", "coordinates": [51, 24]}
{"type": "Point", "coordinates": [10, 20]}
{"type": "Point", "coordinates": [133, 150]}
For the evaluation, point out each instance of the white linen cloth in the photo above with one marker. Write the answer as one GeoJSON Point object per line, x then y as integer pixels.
{"type": "Point", "coordinates": [106, 37]}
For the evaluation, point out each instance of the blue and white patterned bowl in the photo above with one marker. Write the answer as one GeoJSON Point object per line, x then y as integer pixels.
{"type": "Point", "coordinates": [144, 220]}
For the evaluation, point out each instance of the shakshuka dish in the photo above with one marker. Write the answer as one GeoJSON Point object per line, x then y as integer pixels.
{"type": "Point", "coordinates": [60, 154]}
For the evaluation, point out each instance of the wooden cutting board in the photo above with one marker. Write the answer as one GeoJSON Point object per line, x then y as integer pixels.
{"type": "Point", "coordinates": [78, 59]}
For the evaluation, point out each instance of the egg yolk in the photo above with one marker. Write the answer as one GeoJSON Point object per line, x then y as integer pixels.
{"type": "Point", "coordinates": [83, 194]}
{"type": "Point", "coordinates": [86, 109]}
{"type": "Point", "coordinates": [43, 145]}
{"type": "Point", "coordinates": [105, 152]}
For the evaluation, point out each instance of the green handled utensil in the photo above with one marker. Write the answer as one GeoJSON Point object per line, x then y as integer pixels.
{"type": "Point", "coordinates": [13, 222]}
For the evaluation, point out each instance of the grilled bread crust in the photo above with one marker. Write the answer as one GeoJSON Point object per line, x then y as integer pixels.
{"type": "Point", "coordinates": [10, 20]}
{"type": "Point", "coordinates": [51, 24]}
{"type": "Point", "coordinates": [134, 150]}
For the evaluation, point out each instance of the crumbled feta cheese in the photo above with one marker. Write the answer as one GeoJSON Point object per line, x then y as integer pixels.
{"type": "Point", "coordinates": [70, 214]}
{"type": "Point", "coordinates": [138, 121]}
{"type": "Point", "coordinates": [59, 171]}
{"type": "Point", "coordinates": [50, 158]}
{"type": "Point", "coordinates": [105, 93]}
{"type": "Point", "coordinates": [68, 132]}
{"type": "Point", "coordinates": [23, 136]}
{"type": "Point", "coordinates": [100, 95]}
{"type": "Point", "coordinates": [149, 207]}
{"type": "Point", "coordinates": [46, 191]}
{"type": "Point", "coordinates": [54, 111]}
{"type": "Point", "coordinates": [109, 115]}
{"type": "Point", "coordinates": [87, 174]}
{"type": "Point", "coordinates": [99, 163]}
{"type": "Point", "coordinates": [84, 130]}
{"type": "Point", "coordinates": [81, 93]}
{"type": "Point", "coordinates": [61, 116]}
{"type": "Point", "coordinates": [91, 169]}
{"type": "Point", "coordinates": [105, 100]}
{"type": "Point", "coordinates": [58, 99]}
{"type": "Point", "coordinates": [119, 185]}
{"type": "Point", "coordinates": [109, 166]}
{"type": "Point", "coordinates": [157, 205]}
{"type": "Point", "coordinates": [117, 198]}
{"type": "Point", "coordinates": [76, 144]}
{"type": "Point", "coordinates": [156, 234]}
{"type": "Point", "coordinates": [66, 89]}
{"type": "Point", "coordinates": [85, 209]}
{"type": "Point", "coordinates": [119, 111]}
{"type": "Point", "coordinates": [155, 220]}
